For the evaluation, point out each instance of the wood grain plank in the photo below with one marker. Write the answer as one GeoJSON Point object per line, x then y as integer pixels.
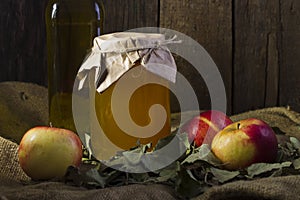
{"type": "Point", "coordinates": [121, 15]}
{"type": "Point", "coordinates": [22, 39]}
{"type": "Point", "coordinates": [290, 54]}
{"type": "Point", "coordinates": [255, 54]}
{"type": "Point", "coordinates": [210, 24]}
{"type": "Point", "coordinates": [272, 69]}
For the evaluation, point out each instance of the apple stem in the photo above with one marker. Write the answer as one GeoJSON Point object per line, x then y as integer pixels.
{"type": "Point", "coordinates": [238, 126]}
{"type": "Point", "coordinates": [50, 124]}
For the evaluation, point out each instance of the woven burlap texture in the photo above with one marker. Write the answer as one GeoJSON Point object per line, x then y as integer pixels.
{"type": "Point", "coordinates": [9, 165]}
{"type": "Point", "coordinates": [22, 106]}
{"type": "Point", "coordinates": [14, 184]}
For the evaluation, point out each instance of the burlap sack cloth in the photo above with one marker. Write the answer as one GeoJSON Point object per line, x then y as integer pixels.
{"type": "Point", "coordinates": [16, 99]}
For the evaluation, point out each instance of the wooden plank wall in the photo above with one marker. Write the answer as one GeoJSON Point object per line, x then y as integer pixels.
{"type": "Point", "coordinates": [290, 54]}
{"type": "Point", "coordinates": [123, 15]}
{"type": "Point", "coordinates": [22, 41]}
{"type": "Point", "coordinates": [255, 53]}
{"type": "Point", "coordinates": [255, 43]}
{"type": "Point", "coordinates": [210, 24]}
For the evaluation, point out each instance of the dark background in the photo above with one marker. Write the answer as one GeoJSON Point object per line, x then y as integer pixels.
{"type": "Point", "coordinates": [255, 43]}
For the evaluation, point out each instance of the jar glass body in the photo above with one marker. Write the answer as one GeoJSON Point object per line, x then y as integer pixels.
{"type": "Point", "coordinates": [71, 26]}
{"type": "Point", "coordinates": [127, 117]}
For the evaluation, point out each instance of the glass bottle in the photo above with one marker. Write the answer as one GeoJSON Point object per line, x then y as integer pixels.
{"type": "Point", "coordinates": [71, 26]}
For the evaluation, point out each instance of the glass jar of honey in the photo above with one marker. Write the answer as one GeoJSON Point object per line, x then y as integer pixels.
{"type": "Point", "coordinates": [127, 75]}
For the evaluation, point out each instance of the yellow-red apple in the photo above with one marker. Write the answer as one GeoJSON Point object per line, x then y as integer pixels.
{"type": "Point", "coordinates": [202, 128]}
{"type": "Point", "coordinates": [47, 152]}
{"type": "Point", "coordinates": [244, 143]}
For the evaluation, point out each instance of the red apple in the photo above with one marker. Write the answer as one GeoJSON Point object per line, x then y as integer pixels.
{"type": "Point", "coordinates": [47, 152]}
{"type": "Point", "coordinates": [202, 128]}
{"type": "Point", "coordinates": [244, 143]}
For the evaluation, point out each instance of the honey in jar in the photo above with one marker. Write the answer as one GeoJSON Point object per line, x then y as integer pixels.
{"type": "Point", "coordinates": [128, 76]}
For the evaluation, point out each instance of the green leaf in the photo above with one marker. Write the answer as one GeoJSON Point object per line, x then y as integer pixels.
{"type": "Point", "coordinates": [202, 153]}
{"type": "Point", "coordinates": [260, 168]}
{"type": "Point", "coordinates": [94, 176]}
{"type": "Point", "coordinates": [130, 160]}
{"type": "Point", "coordinates": [296, 143]}
{"type": "Point", "coordinates": [164, 141]}
{"type": "Point", "coordinates": [276, 173]}
{"type": "Point", "coordinates": [187, 186]}
{"type": "Point", "coordinates": [168, 173]}
{"type": "Point", "coordinates": [191, 158]}
{"type": "Point", "coordinates": [296, 163]}
{"type": "Point", "coordinates": [180, 138]}
{"type": "Point", "coordinates": [223, 175]}
{"type": "Point", "coordinates": [140, 177]}
{"type": "Point", "coordinates": [183, 138]}
{"type": "Point", "coordinates": [138, 159]}
{"type": "Point", "coordinates": [133, 158]}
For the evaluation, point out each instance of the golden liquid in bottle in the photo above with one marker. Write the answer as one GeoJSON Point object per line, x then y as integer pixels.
{"type": "Point", "coordinates": [71, 26]}
{"type": "Point", "coordinates": [140, 102]}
